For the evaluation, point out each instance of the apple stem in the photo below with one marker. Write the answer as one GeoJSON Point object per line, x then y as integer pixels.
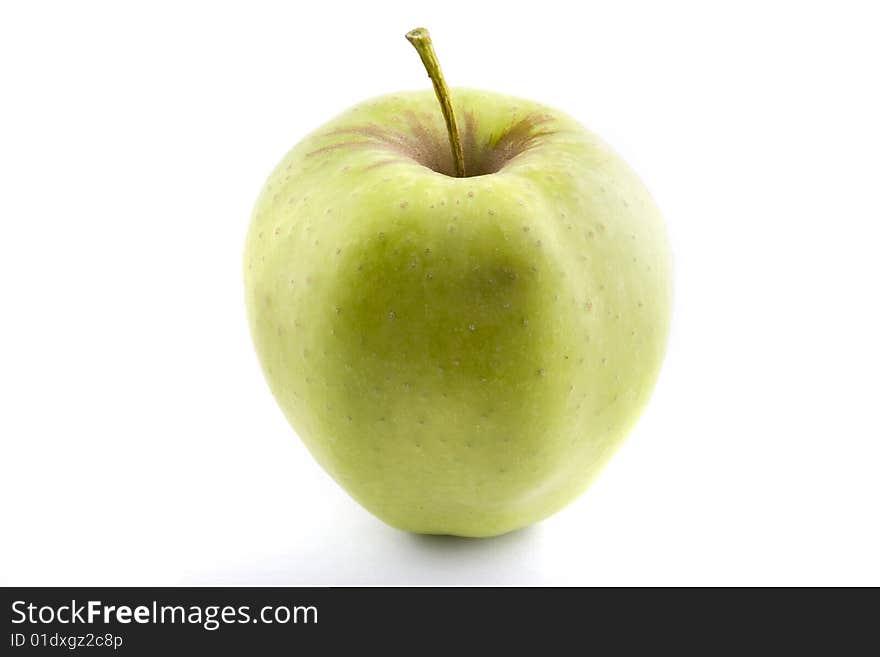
{"type": "Point", "coordinates": [421, 41]}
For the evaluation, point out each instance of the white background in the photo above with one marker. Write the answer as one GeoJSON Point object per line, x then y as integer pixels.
{"type": "Point", "coordinates": [140, 444]}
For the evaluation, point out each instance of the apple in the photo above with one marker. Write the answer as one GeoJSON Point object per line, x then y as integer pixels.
{"type": "Point", "coordinates": [461, 307]}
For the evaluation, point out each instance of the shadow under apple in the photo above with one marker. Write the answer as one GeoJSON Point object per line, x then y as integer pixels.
{"type": "Point", "coordinates": [374, 554]}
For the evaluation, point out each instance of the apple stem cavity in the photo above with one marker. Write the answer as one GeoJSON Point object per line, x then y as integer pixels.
{"type": "Point", "coordinates": [421, 41]}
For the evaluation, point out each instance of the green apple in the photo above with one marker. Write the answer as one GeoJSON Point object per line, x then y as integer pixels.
{"type": "Point", "coordinates": [462, 326]}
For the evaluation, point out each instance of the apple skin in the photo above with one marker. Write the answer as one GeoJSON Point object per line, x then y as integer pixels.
{"type": "Point", "coordinates": [462, 355]}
